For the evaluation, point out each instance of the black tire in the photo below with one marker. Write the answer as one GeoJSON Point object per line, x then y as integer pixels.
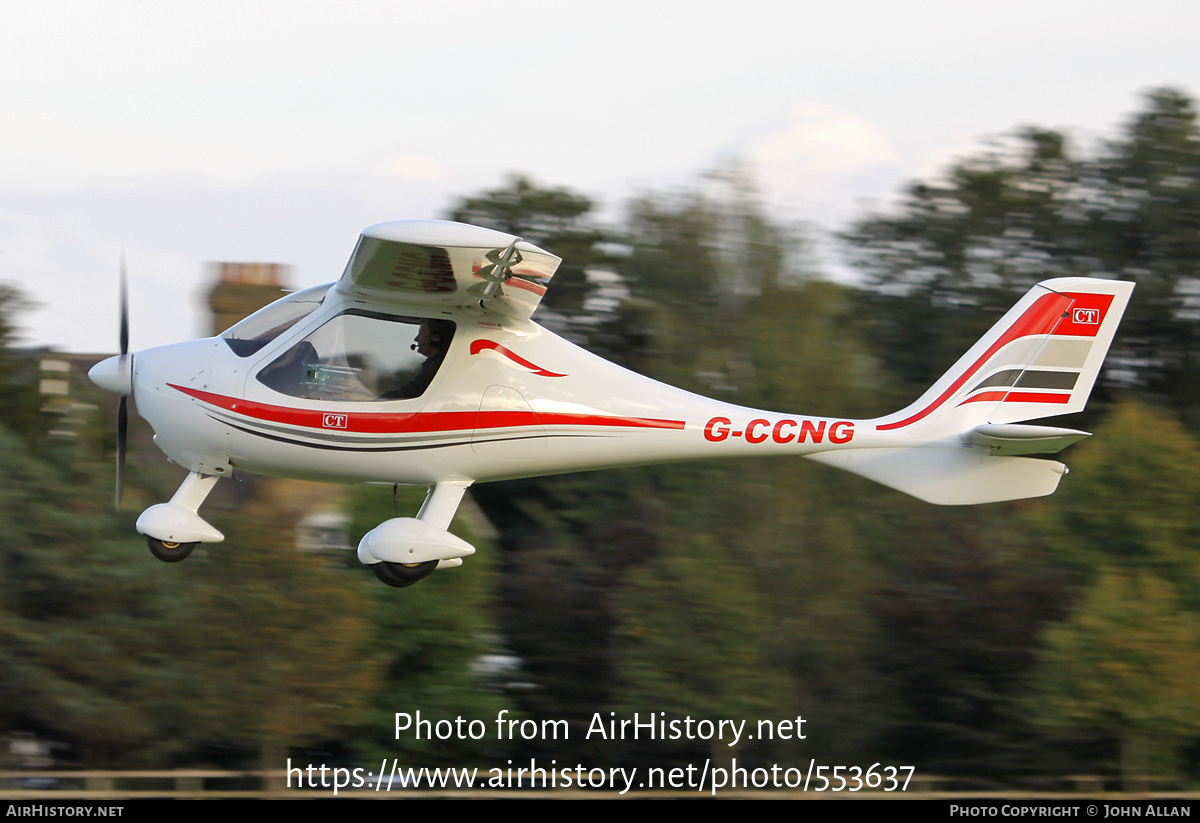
{"type": "Point", "coordinates": [167, 551]}
{"type": "Point", "coordinates": [401, 575]}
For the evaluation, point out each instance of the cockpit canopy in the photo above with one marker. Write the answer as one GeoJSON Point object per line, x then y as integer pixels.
{"type": "Point", "coordinates": [360, 355]}
{"type": "Point", "coordinates": [249, 335]}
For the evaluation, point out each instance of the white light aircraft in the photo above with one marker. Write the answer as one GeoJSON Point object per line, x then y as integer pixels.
{"type": "Point", "coordinates": [327, 384]}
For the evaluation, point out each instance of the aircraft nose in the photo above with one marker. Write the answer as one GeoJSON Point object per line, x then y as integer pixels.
{"type": "Point", "coordinates": [114, 374]}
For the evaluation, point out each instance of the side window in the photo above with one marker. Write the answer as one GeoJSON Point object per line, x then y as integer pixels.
{"type": "Point", "coordinates": [251, 334]}
{"type": "Point", "coordinates": [362, 356]}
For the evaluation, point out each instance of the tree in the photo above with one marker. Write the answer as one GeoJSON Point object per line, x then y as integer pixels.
{"type": "Point", "coordinates": [958, 249]}
{"type": "Point", "coordinates": [20, 400]}
{"type": "Point", "coordinates": [1145, 225]}
{"type": "Point", "coordinates": [88, 640]}
{"type": "Point", "coordinates": [694, 640]}
{"type": "Point", "coordinates": [282, 658]}
{"type": "Point", "coordinates": [562, 223]}
{"type": "Point", "coordinates": [698, 259]}
{"type": "Point", "coordinates": [637, 561]}
{"type": "Point", "coordinates": [427, 642]}
{"type": "Point", "coordinates": [1130, 499]}
{"type": "Point", "coordinates": [1124, 664]}
{"type": "Point", "coordinates": [1031, 208]}
{"type": "Point", "coordinates": [962, 600]}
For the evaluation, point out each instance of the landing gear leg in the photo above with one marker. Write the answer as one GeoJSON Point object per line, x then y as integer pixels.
{"type": "Point", "coordinates": [173, 529]}
{"type": "Point", "coordinates": [405, 550]}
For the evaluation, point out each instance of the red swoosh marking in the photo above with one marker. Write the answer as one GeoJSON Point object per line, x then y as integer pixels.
{"type": "Point", "coordinates": [482, 345]}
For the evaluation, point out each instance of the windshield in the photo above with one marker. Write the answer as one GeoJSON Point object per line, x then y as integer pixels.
{"type": "Point", "coordinates": [249, 335]}
{"type": "Point", "coordinates": [362, 356]}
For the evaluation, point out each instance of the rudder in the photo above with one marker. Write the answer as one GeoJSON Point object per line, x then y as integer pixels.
{"type": "Point", "coordinates": [1040, 360]}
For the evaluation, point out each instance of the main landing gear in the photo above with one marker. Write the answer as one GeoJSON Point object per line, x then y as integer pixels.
{"type": "Point", "coordinates": [405, 550]}
{"type": "Point", "coordinates": [167, 551]}
{"type": "Point", "coordinates": [173, 529]}
{"type": "Point", "coordinates": [401, 551]}
{"type": "Point", "coordinates": [401, 575]}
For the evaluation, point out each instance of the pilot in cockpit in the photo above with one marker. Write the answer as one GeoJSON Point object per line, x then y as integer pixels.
{"type": "Point", "coordinates": [432, 341]}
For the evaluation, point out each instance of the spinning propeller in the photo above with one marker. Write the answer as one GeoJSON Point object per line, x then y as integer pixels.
{"type": "Point", "coordinates": [126, 367]}
{"type": "Point", "coordinates": [116, 375]}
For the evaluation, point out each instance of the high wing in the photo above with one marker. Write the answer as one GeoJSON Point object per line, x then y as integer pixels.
{"type": "Point", "coordinates": [448, 266]}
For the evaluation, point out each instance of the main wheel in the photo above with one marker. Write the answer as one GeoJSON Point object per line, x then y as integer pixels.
{"type": "Point", "coordinates": [403, 574]}
{"type": "Point", "coordinates": [167, 551]}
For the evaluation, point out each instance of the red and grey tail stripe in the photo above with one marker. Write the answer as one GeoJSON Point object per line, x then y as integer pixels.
{"type": "Point", "coordinates": [407, 430]}
{"type": "Point", "coordinates": [1052, 317]}
{"type": "Point", "coordinates": [1014, 385]}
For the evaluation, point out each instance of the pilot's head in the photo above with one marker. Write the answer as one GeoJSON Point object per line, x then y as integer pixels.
{"type": "Point", "coordinates": [434, 337]}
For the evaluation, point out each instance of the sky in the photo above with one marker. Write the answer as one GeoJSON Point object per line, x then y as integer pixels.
{"type": "Point", "coordinates": [177, 134]}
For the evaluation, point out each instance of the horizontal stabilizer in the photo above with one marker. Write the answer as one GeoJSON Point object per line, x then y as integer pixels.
{"type": "Point", "coordinates": [1014, 438]}
{"type": "Point", "coordinates": [950, 476]}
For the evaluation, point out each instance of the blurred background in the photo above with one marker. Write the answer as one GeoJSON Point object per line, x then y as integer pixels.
{"type": "Point", "coordinates": [814, 211]}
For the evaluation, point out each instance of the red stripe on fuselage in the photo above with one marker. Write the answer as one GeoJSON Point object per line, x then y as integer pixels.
{"type": "Point", "coordinates": [1040, 318]}
{"type": "Point", "coordinates": [417, 422]}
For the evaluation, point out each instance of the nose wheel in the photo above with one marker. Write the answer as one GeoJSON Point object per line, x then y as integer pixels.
{"type": "Point", "coordinates": [400, 575]}
{"type": "Point", "coordinates": [167, 551]}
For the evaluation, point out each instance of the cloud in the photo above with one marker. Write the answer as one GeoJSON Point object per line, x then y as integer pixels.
{"type": "Point", "coordinates": [413, 165]}
{"type": "Point", "coordinates": [820, 152]}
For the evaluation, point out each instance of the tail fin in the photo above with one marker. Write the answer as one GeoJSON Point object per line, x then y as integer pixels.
{"type": "Point", "coordinates": [1040, 360]}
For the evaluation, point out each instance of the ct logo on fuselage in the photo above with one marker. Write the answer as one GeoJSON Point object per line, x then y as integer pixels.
{"type": "Point", "coordinates": [783, 431]}
{"type": "Point", "coordinates": [1086, 317]}
{"type": "Point", "coordinates": [335, 421]}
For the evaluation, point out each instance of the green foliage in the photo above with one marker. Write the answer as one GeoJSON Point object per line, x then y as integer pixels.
{"type": "Point", "coordinates": [1125, 664]}
{"type": "Point", "coordinates": [427, 641]}
{"type": "Point", "coordinates": [1131, 498]}
{"type": "Point", "coordinates": [697, 259]}
{"type": "Point", "coordinates": [20, 400]}
{"type": "Point", "coordinates": [726, 590]}
{"type": "Point", "coordinates": [969, 594]}
{"type": "Point", "coordinates": [1029, 209]}
{"type": "Point", "coordinates": [963, 597]}
{"type": "Point", "coordinates": [87, 639]}
{"type": "Point", "coordinates": [555, 219]}
{"type": "Point", "coordinates": [693, 637]}
{"type": "Point", "coordinates": [960, 640]}
{"type": "Point", "coordinates": [282, 657]}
